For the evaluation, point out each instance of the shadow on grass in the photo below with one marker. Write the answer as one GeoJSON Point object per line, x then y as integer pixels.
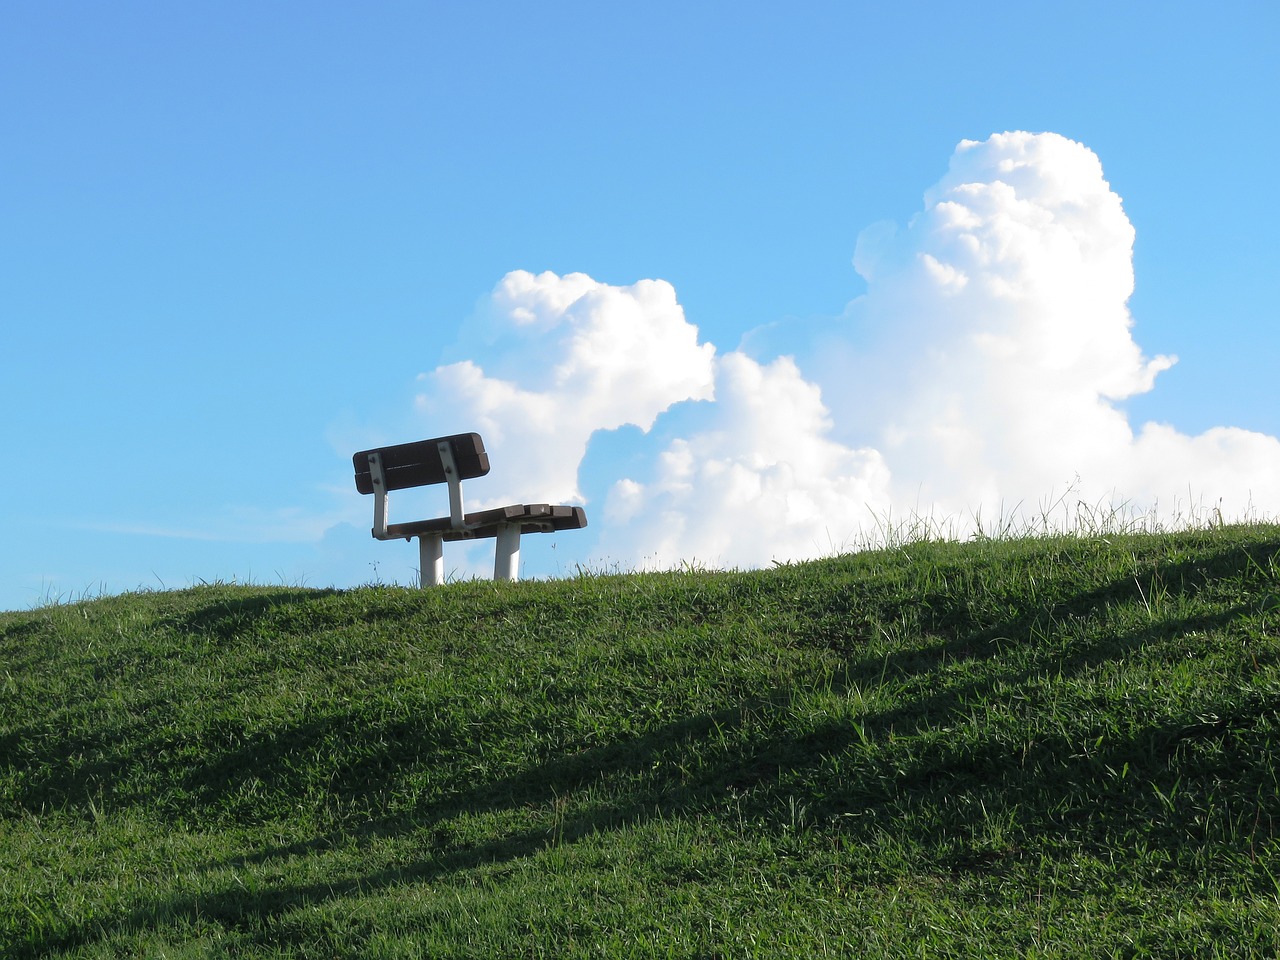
{"type": "Point", "coordinates": [242, 610]}
{"type": "Point", "coordinates": [61, 767]}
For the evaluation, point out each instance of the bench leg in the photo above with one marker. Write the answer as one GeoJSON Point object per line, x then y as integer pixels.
{"type": "Point", "coordinates": [431, 560]}
{"type": "Point", "coordinates": [506, 553]}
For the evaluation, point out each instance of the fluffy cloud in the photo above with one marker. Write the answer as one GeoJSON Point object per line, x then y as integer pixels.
{"type": "Point", "coordinates": [764, 481]}
{"type": "Point", "coordinates": [982, 369]}
{"type": "Point", "coordinates": [565, 357]}
{"type": "Point", "coordinates": [1003, 342]}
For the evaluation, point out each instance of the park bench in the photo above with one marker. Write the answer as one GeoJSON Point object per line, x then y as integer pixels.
{"type": "Point", "coordinates": [451, 460]}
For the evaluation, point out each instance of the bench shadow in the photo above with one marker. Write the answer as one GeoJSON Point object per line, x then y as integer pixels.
{"type": "Point", "coordinates": [228, 617]}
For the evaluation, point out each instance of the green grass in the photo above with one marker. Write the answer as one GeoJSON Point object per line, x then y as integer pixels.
{"type": "Point", "coordinates": [1052, 746]}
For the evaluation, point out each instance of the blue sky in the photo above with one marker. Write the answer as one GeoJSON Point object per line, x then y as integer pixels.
{"type": "Point", "coordinates": [236, 240]}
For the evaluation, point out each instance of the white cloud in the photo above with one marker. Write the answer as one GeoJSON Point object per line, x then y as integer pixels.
{"type": "Point", "coordinates": [565, 357]}
{"type": "Point", "coordinates": [982, 369]}
{"type": "Point", "coordinates": [763, 482]}
{"type": "Point", "coordinates": [1003, 341]}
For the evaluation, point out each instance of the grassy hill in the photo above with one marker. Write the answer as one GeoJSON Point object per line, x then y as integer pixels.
{"type": "Point", "coordinates": [1026, 747]}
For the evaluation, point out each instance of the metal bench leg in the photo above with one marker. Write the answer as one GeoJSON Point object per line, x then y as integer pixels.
{"type": "Point", "coordinates": [506, 554]}
{"type": "Point", "coordinates": [431, 560]}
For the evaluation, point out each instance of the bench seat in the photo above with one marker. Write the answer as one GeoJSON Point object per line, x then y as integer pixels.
{"type": "Point", "coordinates": [532, 517]}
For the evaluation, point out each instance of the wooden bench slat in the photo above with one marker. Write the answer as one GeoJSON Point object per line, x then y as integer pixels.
{"type": "Point", "coordinates": [418, 464]}
{"type": "Point", "coordinates": [533, 518]}
{"type": "Point", "coordinates": [562, 517]}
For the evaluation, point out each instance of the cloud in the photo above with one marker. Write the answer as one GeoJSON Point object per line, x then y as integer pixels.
{"type": "Point", "coordinates": [985, 367]}
{"type": "Point", "coordinates": [763, 481]}
{"type": "Point", "coordinates": [1003, 343]}
{"type": "Point", "coordinates": [565, 357]}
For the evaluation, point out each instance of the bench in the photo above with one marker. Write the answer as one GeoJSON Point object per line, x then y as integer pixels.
{"type": "Point", "coordinates": [451, 460]}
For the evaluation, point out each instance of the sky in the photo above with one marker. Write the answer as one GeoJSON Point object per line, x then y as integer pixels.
{"type": "Point", "coordinates": [753, 283]}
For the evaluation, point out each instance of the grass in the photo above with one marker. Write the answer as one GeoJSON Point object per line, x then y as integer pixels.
{"type": "Point", "coordinates": [1046, 746]}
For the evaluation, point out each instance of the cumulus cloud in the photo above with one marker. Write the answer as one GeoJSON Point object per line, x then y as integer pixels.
{"type": "Point", "coordinates": [985, 366]}
{"type": "Point", "coordinates": [1003, 342]}
{"type": "Point", "coordinates": [565, 357]}
{"type": "Point", "coordinates": [763, 481]}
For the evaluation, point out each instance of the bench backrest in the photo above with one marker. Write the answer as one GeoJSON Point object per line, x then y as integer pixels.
{"type": "Point", "coordinates": [418, 464]}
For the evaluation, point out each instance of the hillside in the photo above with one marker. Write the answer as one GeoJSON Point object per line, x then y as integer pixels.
{"type": "Point", "coordinates": [1049, 747]}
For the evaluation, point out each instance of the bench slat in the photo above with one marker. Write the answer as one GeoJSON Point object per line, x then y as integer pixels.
{"type": "Point", "coordinates": [532, 517]}
{"type": "Point", "coordinates": [418, 464]}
